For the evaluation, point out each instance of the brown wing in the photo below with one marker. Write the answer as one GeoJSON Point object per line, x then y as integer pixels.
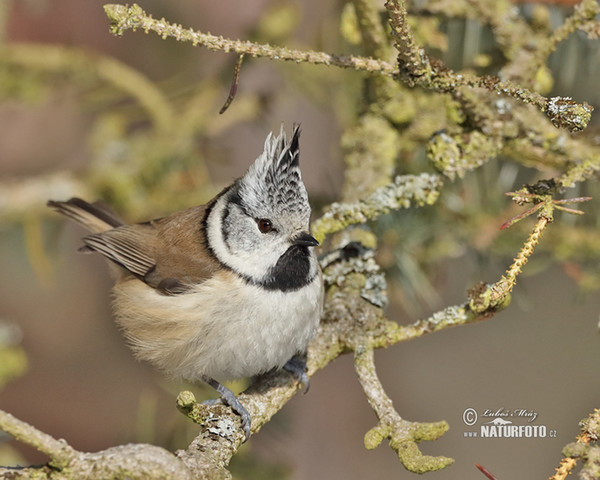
{"type": "Point", "coordinates": [131, 246]}
{"type": "Point", "coordinates": [169, 254]}
{"type": "Point", "coordinates": [182, 255]}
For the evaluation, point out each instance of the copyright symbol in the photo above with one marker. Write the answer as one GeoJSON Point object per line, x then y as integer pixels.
{"type": "Point", "coordinates": [470, 416]}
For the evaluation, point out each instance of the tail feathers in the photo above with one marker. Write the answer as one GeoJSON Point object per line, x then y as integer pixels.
{"type": "Point", "coordinates": [96, 217]}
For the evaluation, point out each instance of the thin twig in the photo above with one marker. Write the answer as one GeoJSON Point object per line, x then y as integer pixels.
{"type": "Point", "coordinates": [59, 451]}
{"type": "Point", "coordinates": [234, 83]}
{"type": "Point", "coordinates": [124, 18]}
{"type": "Point", "coordinates": [486, 472]}
{"type": "Point", "coordinates": [590, 432]}
{"type": "Point", "coordinates": [418, 68]}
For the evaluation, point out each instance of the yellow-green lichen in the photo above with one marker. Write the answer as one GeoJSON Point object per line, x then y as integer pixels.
{"type": "Point", "coordinates": [370, 149]}
{"type": "Point", "coordinates": [455, 155]}
{"type": "Point", "coordinates": [403, 192]}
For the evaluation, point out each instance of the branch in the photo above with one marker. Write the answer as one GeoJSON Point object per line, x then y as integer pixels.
{"type": "Point", "coordinates": [581, 171]}
{"type": "Point", "coordinates": [583, 448]}
{"type": "Point", "coordinates": [373, 35]}
{"type": "Point", "coordinates": [59, 451]}
{"type": "Point", "coordinates": [355, 287]}
{"type": "Point", "coordinates": [124, 18]}
{"type": "Point", "coordinates": [418, 68]}
{"type": "Point", "coordinates": [403, 435]}
{"type": "Point", "coordinates": [423, 189]}
{"type": "Point", "coordinates": [136, 461]}
{"type": "Point", "coordinates": [498, 293]}
{"type": "Point", "coordinates": [584, 13]}
{"type": "Point", "coordinates": [526, 47]}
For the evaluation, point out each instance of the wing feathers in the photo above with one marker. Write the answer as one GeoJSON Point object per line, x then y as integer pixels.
{"type": "Point", "coordinates": [96, 217]}
{"type": "Point", "coordinates": [168, 254]}
{"type": "Point", "coordinates": [125, 245]}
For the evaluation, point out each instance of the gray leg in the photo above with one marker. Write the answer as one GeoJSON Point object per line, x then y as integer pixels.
{"type": "Point", "coordinates": [297, 367]}
{"type": "Point", "coordinates": [229, 398]}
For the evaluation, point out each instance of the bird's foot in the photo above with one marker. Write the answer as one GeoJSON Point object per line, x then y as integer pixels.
{"type": "Point", "coordinates": [229, 398]}
{"type": "Point", "coordinates": [297, 367]}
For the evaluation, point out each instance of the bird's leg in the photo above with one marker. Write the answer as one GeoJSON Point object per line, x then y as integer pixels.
{"type": "Point", "coordinates": [297, 367]}
{"type": "Point", "coordinates": [229, 398]}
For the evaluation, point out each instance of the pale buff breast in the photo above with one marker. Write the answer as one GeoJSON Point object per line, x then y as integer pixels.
{"type": "Point", "coordinates": [223, 328]}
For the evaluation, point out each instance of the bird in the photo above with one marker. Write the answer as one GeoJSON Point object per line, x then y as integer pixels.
{"type": "Point", "coordinates": [221, 291]}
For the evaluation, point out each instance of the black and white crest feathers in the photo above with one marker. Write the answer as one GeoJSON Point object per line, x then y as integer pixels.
{"type": "Point", "coordinates": [274, 183]}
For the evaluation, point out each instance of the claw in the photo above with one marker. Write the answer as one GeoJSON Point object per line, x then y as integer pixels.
{"type": "Point", "coordinates": [229, 398]}
{"type": "Point", "coordinates": [297, 367]}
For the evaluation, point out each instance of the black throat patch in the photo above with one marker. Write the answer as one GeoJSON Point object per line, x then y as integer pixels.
{"type": "Point", "coordinates": [291, 272]}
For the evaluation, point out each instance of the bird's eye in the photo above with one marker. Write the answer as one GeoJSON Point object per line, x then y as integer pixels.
{"type": "Point", "coordinates": [264, 225]}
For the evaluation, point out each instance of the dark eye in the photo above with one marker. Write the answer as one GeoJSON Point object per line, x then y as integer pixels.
{"type": "Point", "coordinates": [264, 225]}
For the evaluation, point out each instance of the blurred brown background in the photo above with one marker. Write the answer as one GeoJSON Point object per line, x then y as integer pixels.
{"type": "Point", "coordinates": [82, 384]}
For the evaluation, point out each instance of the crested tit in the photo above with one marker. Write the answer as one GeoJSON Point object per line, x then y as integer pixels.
{"type": "Point", "coordinates": [220, 291]}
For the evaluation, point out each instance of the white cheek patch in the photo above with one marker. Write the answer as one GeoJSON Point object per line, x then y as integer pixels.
{"type": "Point", "coordinates": [248, 262]}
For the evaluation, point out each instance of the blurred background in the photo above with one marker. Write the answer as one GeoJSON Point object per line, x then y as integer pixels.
{"type": "Point", "coordinates": [134, 120]}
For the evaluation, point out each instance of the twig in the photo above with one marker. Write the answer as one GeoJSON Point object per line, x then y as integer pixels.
{"type": "Point", "coordinates": [234, 83]}
{"type": "Point", "coordinates": [371, 29]}
{"type": "Point", "coordinates": [59, 451]}
{"type": "Point", "coordinates": [590, 432]}
{"type": "Point", "coordinates": [584, 12]}
{"type": "Point", "coordinates": [418, 68]}
{"type": "Point", "coordinates": [486, 472]}
{"type": "Point", "coordinates": [403, 435]}
{"type": "Point", "coordinates": [582, 171]}
{"type": "Point", "coordinates": [499, 292]}
{"type": "Point", "coordinates": [124, 18]}
{"type": "Point", "coordinates": [406, 190]}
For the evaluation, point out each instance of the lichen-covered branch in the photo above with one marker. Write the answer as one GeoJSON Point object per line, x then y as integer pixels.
{"type": "Point", "coordinates": [125, 18]}
{"type": "Point", "coordinates": [418, 68]}
{"type": "Point", "coordinates": [584, 170]}
{"type": "Point", "coordinates": [585, 448]}
{"type": "Point", "coordinates": [526, 45]}
{"type": "Point", "coordinates": [371, 145]}
{"type": "Point", "coordinates": [405, 191]}
{"type": "Point", "coordinates": [355, 287]}
{"type": "Point", "coordinates": [498, 292]}
{"type": "Point", "coordinates": [60, 452]}
{"type": "Point", "coordinates": [134, 461]}
{"type": "Point", "coordinates": [374, 38]}
{"type": "Point", "coordinates": [402, 434]}
{"type": "Point", "coordinates": [456, 154]}
{"type": "Point", "coordinates": [584, 12]}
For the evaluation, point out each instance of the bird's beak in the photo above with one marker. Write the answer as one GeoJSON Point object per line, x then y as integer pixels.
{"type": "Point", "coordinates": [305, 239]}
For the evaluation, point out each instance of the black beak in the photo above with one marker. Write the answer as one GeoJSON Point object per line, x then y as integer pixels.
{"type": "Point", "coordinates": [305, 239]}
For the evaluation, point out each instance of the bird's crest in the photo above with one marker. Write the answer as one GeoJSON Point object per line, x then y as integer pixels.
{"type": "Point", "coordinates": [273, 182]}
